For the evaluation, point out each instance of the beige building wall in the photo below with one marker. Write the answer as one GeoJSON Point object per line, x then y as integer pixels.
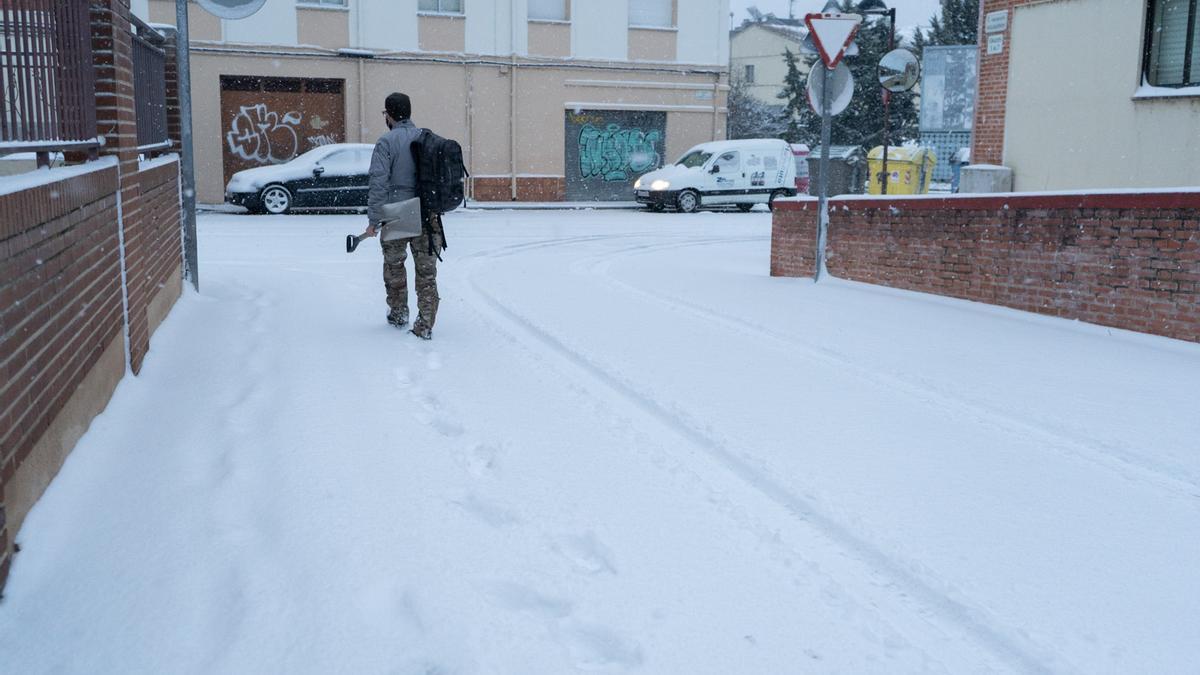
{"type": "Point", "coordinates": [763, 48]}
{"type": "Point", "coordinates": [469, 102]}
{"type": "Point", "coordinates": [652, 45]}
{"type": "Point", "coordinates": [1076, 122]}
{"type": "Point", "coordinates": [442, 33]}
{"type": "Point", "coordinates": [328, 28]}
{"type": "Point", "coordinates": [549, 38]}
{"type": "Point", "coordinates": [201, 24]}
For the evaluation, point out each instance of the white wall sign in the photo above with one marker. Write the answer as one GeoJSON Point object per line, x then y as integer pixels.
{"type": "Point", "coordinates": [996, 22]}
{"type": "Point", "coordinates": [995, 44]}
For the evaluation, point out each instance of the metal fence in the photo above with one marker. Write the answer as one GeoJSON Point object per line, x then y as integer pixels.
{"type": "Point", "coordinates": [149, 87]}
{"type": "Point", "coordinates": [946, 144]}
{"type": "Point", "coordinates": [46, 76]}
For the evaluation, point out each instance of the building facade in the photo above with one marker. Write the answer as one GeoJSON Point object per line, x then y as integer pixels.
{"type": "Point", "coordinates": [551, 99]}
{"type": "Point", "coordinates": [1090, 93]}
{"type": "Point", "coordinates": [756, 58]}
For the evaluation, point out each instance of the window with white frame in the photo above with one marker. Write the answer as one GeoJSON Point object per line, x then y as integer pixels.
{"type": "Point", "coordinates": [749, 77]}
{"type": "Point", "coordinates": [1173, 43]}
{"type": "Point", "coordinates": [730, 162]}
{"type": "Point", "coordinates": [441, 6]}
{"type": "Point", "coordinates": [651, 13]}
{"type": "Point", "coordinates": [323, 3]}
{"type": "Point", "coordinates": [548, 10]}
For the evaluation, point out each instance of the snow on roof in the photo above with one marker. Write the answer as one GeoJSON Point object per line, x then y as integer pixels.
{"type": "Point", "coordinates": [795, 33]}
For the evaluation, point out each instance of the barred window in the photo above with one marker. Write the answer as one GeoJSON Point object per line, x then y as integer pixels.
{"type": "Point", "coordinates": [651, 13]}
{"type": "Point", "coordinates": [441, 6]}
{"type": "Point", "coordinates": [548, 10]}
{"type": "Point", "coordinates": [1172, 43]}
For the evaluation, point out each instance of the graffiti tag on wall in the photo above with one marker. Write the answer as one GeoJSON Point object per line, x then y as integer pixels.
{"type": "Point", "coordinates": [323, 139]}
{"type": "Point", "coordinates": [258, 134]}
{"type": "Point", "coordinates": [615, 153]}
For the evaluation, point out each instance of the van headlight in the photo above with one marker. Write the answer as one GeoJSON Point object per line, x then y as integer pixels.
{"type": "Point", "coordinates": [660, 185]}
{"type": "Point", "coordinates": [637, 184]}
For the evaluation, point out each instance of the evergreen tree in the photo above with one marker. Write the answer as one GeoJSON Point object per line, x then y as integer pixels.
{"type": "Point", "coordinates": [749, 117]}
{"type": "Point", "coordinates": [797, 116]}
{"type": "Point", "coordinates": [957, 23]}
{"type": "Point", "coordinates": [862, 122]}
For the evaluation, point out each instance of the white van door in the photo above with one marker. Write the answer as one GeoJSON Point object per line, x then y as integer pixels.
{"type": "Point", "coordinates": [760, 167]}
{"type": "Point", "coordinates": [727, 179]}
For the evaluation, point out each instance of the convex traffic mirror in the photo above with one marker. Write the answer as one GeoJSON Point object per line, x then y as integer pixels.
{"type": "Point", "coordinates": [899, 70]}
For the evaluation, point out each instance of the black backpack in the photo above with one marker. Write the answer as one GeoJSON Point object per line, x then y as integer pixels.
{"type": "Point", "coordinates": [440, 172]}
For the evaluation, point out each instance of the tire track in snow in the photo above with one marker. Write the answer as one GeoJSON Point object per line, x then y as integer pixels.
{"type": "Point", "coordinates": [1108, 456]}
{"type": "Point", "coordinates": [955, 615]}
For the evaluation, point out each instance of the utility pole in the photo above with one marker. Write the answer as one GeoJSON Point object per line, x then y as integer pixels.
{"type": "Point", "coordinates": [187, 166]}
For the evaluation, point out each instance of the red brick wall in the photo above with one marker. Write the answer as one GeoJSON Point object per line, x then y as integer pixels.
{"type": "Point", "coordinates": [1127, 261]}
{"type": "Point", "coordinates": [529, 189]}
{"type": "Point", "coordinates": [152, 249]}
{"type": "Point", "coordinates": [60, 304]}
{"type": "Point", "coordinates": [60, 262]}
{"type": "Point", "coordinates": [794, 240]}
{"type": "Point", "coordinates": [987, 146]}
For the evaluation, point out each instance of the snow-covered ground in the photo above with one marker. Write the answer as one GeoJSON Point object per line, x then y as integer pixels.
{"type": "Point", "coordinates": [627, 448]}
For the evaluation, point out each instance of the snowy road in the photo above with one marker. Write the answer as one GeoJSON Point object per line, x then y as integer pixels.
{"type": "Point", "coordinates": [626, 449]}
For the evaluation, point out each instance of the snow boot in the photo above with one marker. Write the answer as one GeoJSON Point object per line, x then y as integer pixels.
{"type": "Point", "coordinates": [422, 331]}
{"type": "Point", "coordinates": [399, 319]}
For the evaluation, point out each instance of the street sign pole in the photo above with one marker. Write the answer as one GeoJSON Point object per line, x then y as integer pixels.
{"type": "Point", "coordinates": [833, 34]}
{"type": "Point", "coordinates": [187, 167]}
{"type": "Point", "coordinates": [823, 176]}
{"type": "Point", "coordinates": [223, 9]}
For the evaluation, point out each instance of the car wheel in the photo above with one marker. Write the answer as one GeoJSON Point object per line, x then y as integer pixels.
{"type": "Point", "coordinates": [687, 201]}
{"type": "Point", "coordinates": [745, 208]}
{"type": "Point", "coordinates": [276, 199]}
{"type": "Point", "coordinates": [775, 195]}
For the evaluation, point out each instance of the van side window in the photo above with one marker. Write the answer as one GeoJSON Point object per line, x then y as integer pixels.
{"type": "Point", "coordinates": [730, 162]}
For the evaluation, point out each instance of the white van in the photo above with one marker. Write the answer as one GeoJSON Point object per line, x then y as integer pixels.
{"type": "Point", "coordinates": [739, 173]}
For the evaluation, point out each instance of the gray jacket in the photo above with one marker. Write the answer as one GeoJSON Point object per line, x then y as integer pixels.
{"type": "Point", "coordinates": [393, 172]}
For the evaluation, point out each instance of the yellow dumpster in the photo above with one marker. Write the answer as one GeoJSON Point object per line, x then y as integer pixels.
{"type": "Point", "coordinates": [910, 169]}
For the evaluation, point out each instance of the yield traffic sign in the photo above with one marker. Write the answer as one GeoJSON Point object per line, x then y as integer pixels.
{"type": "Point", "coordinates": [832, 34]}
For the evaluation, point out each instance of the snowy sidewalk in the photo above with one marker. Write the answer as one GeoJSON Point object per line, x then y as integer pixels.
{"type": "Point", "coordinates": [627, 448]}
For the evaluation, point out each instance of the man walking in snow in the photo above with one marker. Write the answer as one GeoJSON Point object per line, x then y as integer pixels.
{"type": "Point", "coordinates": [394, 179]}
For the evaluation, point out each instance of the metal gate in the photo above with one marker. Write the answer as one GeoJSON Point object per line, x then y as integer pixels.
{"type": "Point", "coordinates": [270, 120]}
{"type": "Point", "coordinates": [608, 149]}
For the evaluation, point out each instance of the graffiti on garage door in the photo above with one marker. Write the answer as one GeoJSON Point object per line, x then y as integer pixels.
{"type": "Point", "coordinates": [270, 120]}
{"type": "Point", "coordinates": [608, 149]}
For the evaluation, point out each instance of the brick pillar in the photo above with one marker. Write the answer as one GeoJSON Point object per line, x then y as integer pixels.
{"type": "Point", "coordinates": [987, 145]}
{"type": "Point", "coordinates": [116, 122]}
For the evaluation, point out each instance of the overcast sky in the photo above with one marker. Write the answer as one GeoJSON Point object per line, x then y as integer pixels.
{"type": "Point", "coordinates": [909, 13]}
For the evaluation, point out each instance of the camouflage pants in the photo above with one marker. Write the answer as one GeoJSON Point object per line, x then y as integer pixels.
{"type": "Point", "coordinates": [395, 278]}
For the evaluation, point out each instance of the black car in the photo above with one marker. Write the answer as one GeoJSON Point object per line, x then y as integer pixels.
{"type": "Point", "coordinates": [329, 176]}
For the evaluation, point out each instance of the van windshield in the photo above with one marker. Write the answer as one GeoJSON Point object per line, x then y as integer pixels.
{"type": "Point", "coordinates": [694, 159]}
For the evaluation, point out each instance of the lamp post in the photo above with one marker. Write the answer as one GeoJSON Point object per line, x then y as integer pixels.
{"type": "Point", "coordinates": [878, 8]}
